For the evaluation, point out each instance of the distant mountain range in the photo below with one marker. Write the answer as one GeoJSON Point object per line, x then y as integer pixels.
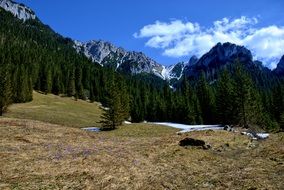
{"type": "Point", "coordinates": [131, 62]}
{"type": "Point", "coordinates": [108, 55]}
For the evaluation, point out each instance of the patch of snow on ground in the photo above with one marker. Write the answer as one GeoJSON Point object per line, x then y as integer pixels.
{"type": "Point", "coordinates": [256, 135]}
{"type": "Point", "coordinates": [263, 135]}
{"type": "Point", "coordinates": [93, 129]}
{"type": "Point", "coordinates": [188, 128]}
{"type": "Point", "coordinates": [127, 122]}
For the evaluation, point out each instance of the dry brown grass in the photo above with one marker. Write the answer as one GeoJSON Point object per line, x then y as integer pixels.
{"type": "Point", "coordinates": [36, 155]}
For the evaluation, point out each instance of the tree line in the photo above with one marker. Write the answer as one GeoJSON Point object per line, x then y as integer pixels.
{"type": "Point", "coordinates": [33, 57]}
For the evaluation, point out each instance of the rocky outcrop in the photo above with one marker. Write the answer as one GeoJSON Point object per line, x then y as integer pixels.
{"type": "Point", "coordinates": [18, 10]}
{"type": "Point", "coordinates": [191, 142]}
{"type": "Point", "coordinates": [194, 143]}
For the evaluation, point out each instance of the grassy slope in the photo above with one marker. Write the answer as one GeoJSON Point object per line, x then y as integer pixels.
{"type": "Point", "coordinates": [57, 110]}
{"type": "Point", "coordinates": [40, 155]}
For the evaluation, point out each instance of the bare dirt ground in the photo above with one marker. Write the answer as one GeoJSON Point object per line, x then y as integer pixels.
{"type": "Point", "coordinates": [37, 155]}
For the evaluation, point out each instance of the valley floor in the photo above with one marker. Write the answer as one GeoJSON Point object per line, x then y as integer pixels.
{"type": "Point", "coordinates": [39, 155]}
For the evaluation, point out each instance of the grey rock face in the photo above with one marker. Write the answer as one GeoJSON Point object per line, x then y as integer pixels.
{"type": "Point", "coordinates": [217, 57]}
{"type": "Point", "coordinates": [99, 50]}
{"type": "Point", "coordinates": [18, 10]}
{"type": "Point", "coordinates": [106, 54]}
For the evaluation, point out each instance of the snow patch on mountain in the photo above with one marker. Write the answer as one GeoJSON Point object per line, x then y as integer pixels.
{"type": "Point", "coordinates": [18, 10]}
{"type": "Point", "coordinates": [173, 71]}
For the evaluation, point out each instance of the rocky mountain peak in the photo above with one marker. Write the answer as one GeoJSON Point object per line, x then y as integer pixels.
{"type": "Point", "coordinates": [192, 61]}
{"type": "Point", "coordinates": [18, 10]}
{"type": "Point", "coordinates": [107, 54]}
{"type": "Point", "coordinates": [99, 50]}
{"type": "Point", "coordinates": [227, 52]}
{"type": "Point", "coordinates": [217, 57]}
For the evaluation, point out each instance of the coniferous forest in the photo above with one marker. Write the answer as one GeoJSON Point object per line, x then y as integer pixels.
{"type": "Point", "coordinates": [33, 57]}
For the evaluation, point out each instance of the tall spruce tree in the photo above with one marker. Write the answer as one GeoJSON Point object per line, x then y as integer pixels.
{"type": "Point", "coordinates": [117, 106]}
{"type": "Point", "coordinates": [5, 88]}
{"type": "Point", "coordinates": [78, 84]}
{"type": "Point", "coordinates": [248, 101]}
{"type": "Point", "coordinates": [47, 80]}
{"type": "Point", "coordinates": [189, 115]}
{"type": "Point", "coordinates": [278, 101]}
{"type": "Point", "coordinates": [281, 123]}
{"type": "Point", "coordinates": [71, 88]}
{"type": "Point", "coordinates": [225, 99]}
{"type": "Point", "coordinates": [206, 100]}
{"type": "Point", "coordinates": [124, 100]}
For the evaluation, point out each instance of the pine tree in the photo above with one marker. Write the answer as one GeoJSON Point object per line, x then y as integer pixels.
{"type": "Point", "coordinates": [243, 88]}
{"type": "Point", "coordinates": [188, 103]}
{"type": "Point", "coordinates": [248, 101]}
{"type": "Point", "coordinates": [22, 84]}
{"type": "Point", "coordinates": [278, 101]}
{"type": "Point", "coordinates": [71, 84]}
{"type": "Point", "coordinates": [206, 100]}
{"type": "Point", "coordinates": [117, 109]}
{"type": "Point", "coordinates": [197, 110]}
{"type": "Point", "coordinates": [124, 101]}
{"type": "Point", "coordinates": [5, 88]}
{"type": "Point", "coordinates": [152, 106]}
{"type": "Point", "coordinates": [56, 87]}
{"type": "Point", "coordinates": [78, 84]}
{"type": "Point", "coordinates": [281, 123]}
{"type": "Point", "coordinates": [47, 80]}
{"type": "Point", "coordinates": [225, 99]}
{"type": "Point", "coordinates": [91, 95]}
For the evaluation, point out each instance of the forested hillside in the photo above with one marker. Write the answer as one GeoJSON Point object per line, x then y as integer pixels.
{"type": "Point", "coordinates": [33, 57]}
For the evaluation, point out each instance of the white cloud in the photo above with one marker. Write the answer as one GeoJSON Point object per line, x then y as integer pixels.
{"type": "Point", "coordinates": [178, 38]}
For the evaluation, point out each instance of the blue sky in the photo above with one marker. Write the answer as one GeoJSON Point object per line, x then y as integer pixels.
{"type": "Point", "coordinates": [117, 22]}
